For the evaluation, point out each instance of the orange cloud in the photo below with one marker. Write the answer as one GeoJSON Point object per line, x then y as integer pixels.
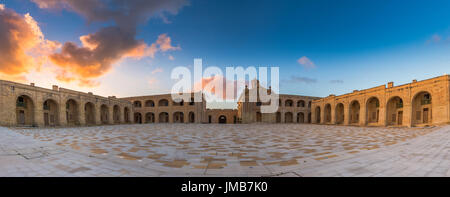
{"type": "Point", "coordinates": [207, 84]}
{"type": "Point", "coordinates": [165, 43]}
{"type": "Point", "coordinates": [23, 47]}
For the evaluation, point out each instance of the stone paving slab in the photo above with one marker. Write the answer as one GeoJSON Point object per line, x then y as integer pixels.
{"type": "Point", "coordinates": [225, 150]}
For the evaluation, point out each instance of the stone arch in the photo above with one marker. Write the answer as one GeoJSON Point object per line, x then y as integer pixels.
{"type": "Point", "coordinates": [191, 117]}
{"type": "Point", "coordinates": [149, 103]}
{"type": "Point", "coordinates": [163, 103]}
{"type": "Point", "coordinates": [222, 119]}
{"type": "Point", "coordinates": [104, 114]}
{"type": "Point", "coordinates": [258, 117]}
{"type": "Point", "coordinates": [25, 110]}
{"type": "Point", "coordinates": [422, 109]}
{"type": "Point", "coordinates": [300, 117]}
{"type": "Point", "coordinates": [126, 114]}
{"type": "Point", "coordinates": [137, 118]}
{"type": "Point", "coordinates": [327, 111]}
{"type": "Point", "coordinates": [163, 117]}
{"type": "Point", "coordinates": [288, 103]}
{"type": "Point", "coordinates": [149, 117]}
{"type": "Point", "coordinates": [301, 103]}
{"type": "Point", "coordinates": [317, 113]}
{"type": "Point", "coordinates": [116, 114]}
{"type": "Point", "coordinates": [89, 113]}
{"type": "Point", "coordinates": [137, 104]}
{"type": "Point", "coordinates": [178, 117]}
{"type": "Point", "coordinates": [354, 112]}
{"type": "Point", "coordinates": [288, 117]}
{"type": "Point", "coordinates": [50, 112]}
{"type": "Point", "coordinates": [373, 110]}
{"type": "Point", "coordinates": [339, 113]}
{"type": "Point", "coordinates": [394, 111]}
{"type": "Point", "coordinates": [72, 112]}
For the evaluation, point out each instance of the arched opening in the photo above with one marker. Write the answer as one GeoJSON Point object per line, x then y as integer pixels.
{"type": "Point", "coordinates": [137, 104]}
{"type": "Point", "coordinates": [72, 112]}
{"type": "Point", "coordinates": [288, 117]}
{"type": "Point", "coordinates": [163, 103]}
{"type": "Point", "coordinates": [149, 117]}
{"type": "Point", "coordinates": [51, 113]}
{"type": "Point", "coordinates": [300, 117]}
{"type": "Point", "coordinates": [422, 109]}
{"type": "Point", "coordinates": [126, 114]}
{"type": "Point", "coordinates": [289, 103]}
{"type": "Point", "coordinates": [149, 103]}
{"type": "Point", "coordinates": [24, 110]}
{"type": "Point", "coordinates": [339, 113]}
{"type": "Point", "coordinates": [163, 117]}
{"type": "Point", "coordinates": [178, 117]}
{"type": "Point", "coordinates": [137, 118]}
{"type": "Point", "coordinates": [317, 113]}
{"type": "Point", "coordinates": [394, 111]}
{"type": "Point", "coordinates": [178, 102]}
{"type": "Point", "coordinates": [258, 117]}
{"type": "Point", "coordinates": [222, 119]}
{"type": "Point", "coordinates": [373, 111]}
{"type": "Point", "coordinates": [309, 104]}
{"type": "Point", "coordinates": [191, 117]}
{"type": "Point", "coordinates": [116, 114]}
{"type": "Point", "coordinates": [327, 112]}
{"type": "Point", "coordinates": [354, 112]}
{"type": "Point", "coordinates": [104, 114]}
{"type": "Point", "coordinates": [278, 118]}
{"type": "Point", "coordinates": [301, 103]}
{"type": "Point", "coordinates": [89, 113]}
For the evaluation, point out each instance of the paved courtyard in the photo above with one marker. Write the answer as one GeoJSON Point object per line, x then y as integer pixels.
{"type": "Point", "coordinates": [225, 150]}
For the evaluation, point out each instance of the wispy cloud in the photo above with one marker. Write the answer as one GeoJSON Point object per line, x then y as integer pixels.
{"type": "Point", "coordinates": [158, 70]}
{"type": "Point", "coordinates": [296, 79]}
{"type": "Point", "coordinates": [336, 81]}
{"type": "Point", "coordinates": [306, 63]}
{"type": "Point", "coordinates": [436, 38]}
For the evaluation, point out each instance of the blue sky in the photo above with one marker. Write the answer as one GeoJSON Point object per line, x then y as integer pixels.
{"type": "Point", "coordinates": [353, 44]}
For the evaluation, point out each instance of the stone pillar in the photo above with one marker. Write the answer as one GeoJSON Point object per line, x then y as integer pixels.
{"type": "Point", "coordinates": [110, 115]}
{"type": "Point", "coordinates": [122, 115]}
{"type": "Point", "coordinates": [363, 114]}
{"type": "Point", "coordinates": [98, 114]}
{"type": "Point", "coordinates": [62, 114]}
{"type": "Point", "coordinates": [81, 114]}
{"type": "Point", "coordinates": [333, 114]}
{"type": "Point", "coordinates": [346, 114]}
{"type": "Point", "coordinates": [39, 112]}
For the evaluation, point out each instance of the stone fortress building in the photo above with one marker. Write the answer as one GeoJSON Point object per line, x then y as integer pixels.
{"type": "Point", "coordinates": [29, 105]}
{"type": "Point", "coordinates": [419, 103]}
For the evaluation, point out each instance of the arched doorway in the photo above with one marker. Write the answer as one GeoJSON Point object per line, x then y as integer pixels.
{"type": "Point", "coordinates": [163, 117]}
{"type": "Point", "coordinates": [138, 118]}
{"type": "Point", "coordinates": [89, 113]}
{"type": "Point", "coordinates": [339, 113]}
{"type": "Point", "coordinates": [178, 117]}
{"type": "Point", "coordinates": [317, 113]}
{"type": "Point", "coordinates": [288, 117]}
{"type": "Point", "coordinates": [327, 112]}
{"type": "Point", "coordinates": [394, 111]}
{"type": "Point", "coordinates": [422, 109]}
{"type": "Point", "coordinates": [72, 112]}
{"type": "Point", "coordinates": [51, 112]}
{"type": "Point", "coordinates": [191, 117]}
{"type": "Point", "coordinates": [354, 112]}
{"type": "Point", "coordinates": [24, 110]}
{"type": "Point", "coordinates": [300, 117]}
{"type": "Point", "coordinates": [163, 103]}
{"type": "Point", "coordinates": [258, 117]}
{"type": "Point", "coordinates": [149, 117]}
{"type": "Point", "coordinates": [278, 118]}
{"type": "Point", "coordinates": [126, 114]}
{"type": "Point", "coordinates": [116, 114]}
{"type": "Point", "coordinates": [104, 114]}
{"type": "Point", "coordinates": [373, 111]}
{"type": "Point", "coordinates": [222, 119]}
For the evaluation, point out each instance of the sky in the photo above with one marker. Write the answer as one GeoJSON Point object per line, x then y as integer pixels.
{"type": "Point", "coordinates": [129, 48]}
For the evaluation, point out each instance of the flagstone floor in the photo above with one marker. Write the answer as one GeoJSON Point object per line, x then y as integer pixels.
{"type": "Point", "coordinates": [225, 150]}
